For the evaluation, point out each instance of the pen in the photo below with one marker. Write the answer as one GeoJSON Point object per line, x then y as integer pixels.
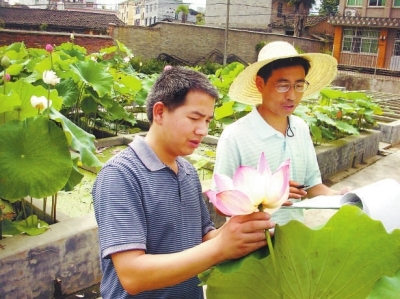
{"type": "Point", "coordinates": [301, 186]}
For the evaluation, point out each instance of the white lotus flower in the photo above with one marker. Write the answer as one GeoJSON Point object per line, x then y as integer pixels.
{"type": "Point", "coordinates": [40, 103]}
{"type": "Point", "coordinates": [50, 77]}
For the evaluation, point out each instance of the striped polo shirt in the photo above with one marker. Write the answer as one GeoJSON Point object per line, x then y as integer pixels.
{"type": "Point", "coordinates": [242, 142]}
{"type": "Point", "coordinates": [140, 203]}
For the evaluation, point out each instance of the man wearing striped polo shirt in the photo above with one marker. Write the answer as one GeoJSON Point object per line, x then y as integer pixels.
{"type": "Point", "coordinates": [155, 232]}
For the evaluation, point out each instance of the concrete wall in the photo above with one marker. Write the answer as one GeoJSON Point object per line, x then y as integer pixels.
{"type": "Point", "coordinates": [67, 252]}
{"type": "Point", "coordinates": [356, 81]}
{"type": "Point", "coordinates": [347, 152]}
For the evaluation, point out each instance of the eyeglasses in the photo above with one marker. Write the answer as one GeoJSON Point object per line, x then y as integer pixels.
{"type": "Point", "coordinates": [285, 87]}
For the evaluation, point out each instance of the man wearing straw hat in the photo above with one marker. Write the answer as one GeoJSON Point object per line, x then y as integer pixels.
{"type": "Point", "coordinates": [275, 86]}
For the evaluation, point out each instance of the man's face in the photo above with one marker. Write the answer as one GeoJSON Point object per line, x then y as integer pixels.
{"type": "Point", "coordinates": [186, 126]}
{"type": "Point", "coordinates": [281, 104]}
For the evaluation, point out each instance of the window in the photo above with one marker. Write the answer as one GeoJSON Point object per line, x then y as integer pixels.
{"type": "Point", "coordinates": [354, 2]}
{"type": "Point", "coordinates": [360, 40]}
{"type": "Point", "coordinates": [396, 3]}
{"type": "Point", "coordinates": [154, 19]}
{"type": "Point", "coordinates": [376, 3]}
{"type": "Point", "coordinates": [280, 7]}
{"type": "Point", "coordinates": [137, 11]}
{"type": "Point", "coordinates": [396, 48]}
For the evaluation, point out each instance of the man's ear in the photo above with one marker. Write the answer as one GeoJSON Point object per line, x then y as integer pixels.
{"type": "Point", "coordinates": [260, 83]}
{"type": "Point", "coordinates": [158, 112]}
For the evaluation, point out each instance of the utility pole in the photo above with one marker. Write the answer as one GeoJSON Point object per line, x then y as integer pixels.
{"type": "Point", "coordinates": [228, 3]}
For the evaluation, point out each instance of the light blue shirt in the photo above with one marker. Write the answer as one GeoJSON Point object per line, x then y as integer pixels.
{"type": "Point", "coordinates": [242, 142]}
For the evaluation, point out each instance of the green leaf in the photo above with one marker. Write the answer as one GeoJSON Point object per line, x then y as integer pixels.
{"type": "Point", "coordinates": [15, 69]}
{"type": "Point", "coordinates": [34, 158]}
{"type": "Point", "coordinates": [224, 111]}
{"type": "Point", "coordinates": [69, 91]}
{"type": "Point", "coordinates": [89, 105]}
{"type": "Point", "coordinates": [94, 75]}
{"type": "Point", "coordinates": [345, 127]}
{"type": "Point", "coordinates": [341, 260]}
{"type": "Point", "coordinates": [76, 177]}
{"type": "Point", "coordinates": [8, 102]}
{"type": "Point", "coordinates": [80, 141]}
{"type": "Point", "coordinates": [32, 226]}
{"type": "Point", "coordinates": [9, 227]}
{"type": "Point", "coordinates": [386, 287]}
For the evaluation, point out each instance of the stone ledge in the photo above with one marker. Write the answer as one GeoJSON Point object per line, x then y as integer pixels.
{"type": "Point", "coordinates": [68, 251]}
{"type": "Point", "coordinates": [347, 152]}
{"type": "Point", "coordinates": [390, 132]}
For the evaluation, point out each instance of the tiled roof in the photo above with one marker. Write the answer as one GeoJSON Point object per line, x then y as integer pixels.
{"type": "Point", "coordinates": [288, 21]}
{"type": "Point", "coordinates": [365, 21]}
{"type": "Point", "coordinates": [57, 18]}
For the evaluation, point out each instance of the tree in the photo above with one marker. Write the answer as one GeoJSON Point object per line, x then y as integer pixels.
{"type": "Point", "coordinates": [329, 7]}
{"type": "Point", "coordinates": [301, 9]}
{"type": "Point", "coordinates": [184, 9]}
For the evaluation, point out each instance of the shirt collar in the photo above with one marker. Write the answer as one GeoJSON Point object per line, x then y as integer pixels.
{"type": "Point", "coordinates": [149, 158]}
{"type": "Point", "coordinates": [262, 128]}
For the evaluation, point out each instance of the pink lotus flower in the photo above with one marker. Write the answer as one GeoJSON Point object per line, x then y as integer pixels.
{"type": "Point", "coordinates": [250, 188]}
{"type": "Point", "coordinates": [49, 48]}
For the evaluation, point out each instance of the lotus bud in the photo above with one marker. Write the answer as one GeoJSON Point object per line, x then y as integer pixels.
{"type": "Point", "coordinates": [5, 62]}
{"type": "Point", "coordinates": [49, 48]}
{"type": "Point", "coordinates": [6, 77]}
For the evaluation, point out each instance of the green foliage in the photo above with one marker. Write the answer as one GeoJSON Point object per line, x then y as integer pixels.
{"type": "Point", "coordinates": [329, 7]}
{"type": "Point", "coordinates": [43, 27]}
{"type": "Point", "coordinates": [260, 45]}
{"type": "Point", "coordinates": [340, 260]}
{"type": "Point", "coordinates": [148, 66]}
{"type": "Point", "coordinates": [74, 90]}
{"type": "Point", "coordinates": [336, 114]}
{"type": "Point", "coordinates": [200, 19]}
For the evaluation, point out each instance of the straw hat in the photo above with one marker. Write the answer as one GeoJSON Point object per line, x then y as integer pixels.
{"type": "Point", "coordinates": [322, 72]}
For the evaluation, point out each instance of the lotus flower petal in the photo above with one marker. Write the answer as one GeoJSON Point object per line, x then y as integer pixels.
{"type": "Point", "coordinates": [278, 188]}
{"type": "Point", "coordinates": [231, 202]}
{"type": "Point", "coordinates": [249, 181]}
{"type": "Point", "coordinates": [223, 182]}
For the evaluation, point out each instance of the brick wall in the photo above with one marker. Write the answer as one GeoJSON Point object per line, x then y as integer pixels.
{"type": "Point", "coordinates": [39, 39]}
{"type": "Point", "coordinates": [191, 42]}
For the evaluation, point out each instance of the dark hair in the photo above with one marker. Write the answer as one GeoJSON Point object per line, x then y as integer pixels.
{"type": "Point", "coordinates": [172, 86]}
{"type": "Point", "coordinates": [266, 71]}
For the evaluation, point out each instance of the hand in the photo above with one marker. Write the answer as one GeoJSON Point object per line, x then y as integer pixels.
{"type": "Point", "coordinates": [295, 192]}
{"type": "Point", "coordinates": [243, 234]}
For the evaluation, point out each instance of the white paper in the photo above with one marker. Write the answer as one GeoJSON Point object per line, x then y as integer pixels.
{"type": "Point", "coordinates": [380, 200]}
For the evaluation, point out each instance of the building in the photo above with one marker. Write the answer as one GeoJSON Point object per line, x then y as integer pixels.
{"type": "Point", "coordinates": [58, 4]}
{"type": "Point", "coordinates": [367, 34]}
{"type": "Point", "coordinates": [57, 20]}
{"type": "Point", "coordinates": [274, 16]}
{"type": "Point", "coordinates": [148, 12]}
{"type": "Point", "coordinates": [252, 14]}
